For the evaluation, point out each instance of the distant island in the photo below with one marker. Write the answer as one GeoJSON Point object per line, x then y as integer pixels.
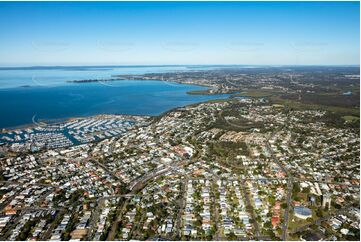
{"type": "Point", "coordinates": [96, 80]}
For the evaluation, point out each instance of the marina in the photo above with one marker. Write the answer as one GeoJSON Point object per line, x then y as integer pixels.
{"type": "Point", "coordinates": [73, 132]}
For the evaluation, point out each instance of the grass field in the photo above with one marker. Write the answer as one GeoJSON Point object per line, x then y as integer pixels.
{"type": "Point", "coordinates": [255, 94]}
{"type": "Point", "coordinates": [350, 118]}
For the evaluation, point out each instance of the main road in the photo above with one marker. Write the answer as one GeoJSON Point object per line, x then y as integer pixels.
{"type": "Point", "coordinates": [289, 189]}
{"type": "Point", "coordinates": [135, 187]}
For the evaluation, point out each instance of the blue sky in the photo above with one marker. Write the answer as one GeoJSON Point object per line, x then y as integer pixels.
{"type": "Point", "coordinates": [137, 33]}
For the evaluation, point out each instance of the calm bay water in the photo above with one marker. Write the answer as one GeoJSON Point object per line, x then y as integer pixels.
{"type": "Point", "coordinates": [51, 97]}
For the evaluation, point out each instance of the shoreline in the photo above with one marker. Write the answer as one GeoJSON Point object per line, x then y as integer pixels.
{"type": "Point", "coordinates": [139, 79]}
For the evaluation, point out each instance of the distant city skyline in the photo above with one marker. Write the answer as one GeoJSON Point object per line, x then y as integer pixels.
{"type": "Point", "coordinates": [179, 33]}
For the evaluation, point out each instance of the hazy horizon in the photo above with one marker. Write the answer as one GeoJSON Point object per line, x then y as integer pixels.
{"type": "Point", "coordinates": [170, 65]}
